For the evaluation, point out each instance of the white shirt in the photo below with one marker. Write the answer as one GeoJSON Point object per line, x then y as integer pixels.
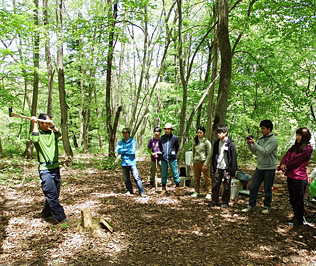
{"type": "Point", "coordinates": [222, 162]}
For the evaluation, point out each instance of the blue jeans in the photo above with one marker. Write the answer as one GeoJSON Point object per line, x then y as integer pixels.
{"type": "Point", "coordinates": [50, 182]}
{"type": "Point", "coordinates": [174, 169]}
{"type": "Point", "coordinates": [266, 176]}
{"type": "Point", "coordinates": [126, 172]}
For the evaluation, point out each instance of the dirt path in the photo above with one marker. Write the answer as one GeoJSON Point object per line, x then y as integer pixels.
{"type": "Point", "coordinates": [148, 231]}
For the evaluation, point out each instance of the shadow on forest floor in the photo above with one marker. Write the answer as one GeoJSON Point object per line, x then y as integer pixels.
{"type": "Point", "coordinates": [147, 231]}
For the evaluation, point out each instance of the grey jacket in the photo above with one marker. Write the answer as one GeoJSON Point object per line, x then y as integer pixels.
{"type": "Point", "coordinates": [266, 150]}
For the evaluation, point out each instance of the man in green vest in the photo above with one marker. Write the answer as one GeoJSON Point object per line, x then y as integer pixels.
{"type": "Point", "coordinates": [45, 138]}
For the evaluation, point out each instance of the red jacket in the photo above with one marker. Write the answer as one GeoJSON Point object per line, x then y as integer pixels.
{"type": "Point", "coordinates": [296, 163]}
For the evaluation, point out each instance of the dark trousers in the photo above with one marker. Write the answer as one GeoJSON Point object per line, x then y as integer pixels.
{"type": "Point", "coordinates": [217, 180]}
{"type": "Point", "coordinates": [297, 190]}
{"type": "Point", "coordinates": [259, 176]}
{"type": "Point", "coordinates": [50, 182]}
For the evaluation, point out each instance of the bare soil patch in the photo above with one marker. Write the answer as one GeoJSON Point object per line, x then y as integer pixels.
{"type": "Point", "coordinates": [147, 231]}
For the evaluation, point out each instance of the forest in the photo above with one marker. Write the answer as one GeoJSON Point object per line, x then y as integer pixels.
{"type": "Point", "coordinates": [100, 66]}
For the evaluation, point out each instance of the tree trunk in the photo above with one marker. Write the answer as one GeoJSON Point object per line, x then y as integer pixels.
{"type": "Point", "coordinates": [226, 68]}
{"type": "Point", "coordinates": [29, 145]}
{"type": "Point", "coordinates": [61, 85]}
{"type": "Point", "coordinates": [111, 129]}
{"type": "Point", "coordinates": [50, 71]}
{"type": "Point", "coordinates": [210, 107]}
{"type": "Point", "coordinates": [182, 78]}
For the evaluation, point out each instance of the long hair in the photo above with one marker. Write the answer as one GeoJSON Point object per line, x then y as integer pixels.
{"type": "Point", "coordinates": [196, 139]}
{"type": "Point", "coordinates": [306, 136]}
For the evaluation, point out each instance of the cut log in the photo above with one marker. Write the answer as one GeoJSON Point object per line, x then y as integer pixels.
{"type": "Point", "coordinates": [86, 218]}
{"type": "Point", "coordinates": [107, 224]}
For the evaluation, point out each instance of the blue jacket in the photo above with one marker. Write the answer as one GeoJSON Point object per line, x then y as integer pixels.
{"type": "Point", "coordinates": [127, 150]}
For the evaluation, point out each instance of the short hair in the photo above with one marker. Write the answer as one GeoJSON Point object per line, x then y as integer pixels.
{"type": "Point", "coordinates": [223, 129]}
{"type": "Point", "coordinates": [266, 123]}
{"type": "Point", "coordinates": [44, 116]}
{"type": "Point", "coordinates": [157, 129]}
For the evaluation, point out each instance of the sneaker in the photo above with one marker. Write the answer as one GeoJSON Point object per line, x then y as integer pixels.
{"type": "Point", "coordinates": [208, 196]}
{"type": "Point", "coordinates": [143, 195]}
{"type": "Point", "coordinates": [49, 219]}
{"type": "Point", "coordinates": [297, 224]}
{"type": "Point", "coordinates": [212, 204]}
{"type": "Point", "coordinates": [266, 210]}
{"type": "Point", "coordinates": [291, 221]}
{"type": "Point", "coordinates": [224, 205]}
{"type": "Point", "coordinates": [195, 194]}
{"type": "Point", "coordinates": [128, 193]}
{"type": "Point", "coordinates": [248, 209]}
{"type": "Point", "coordinates": [65, 221]}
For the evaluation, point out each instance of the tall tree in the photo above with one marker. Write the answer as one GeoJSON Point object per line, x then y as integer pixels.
{"type": "Point", "coordinates": [61, 84]}
{"type": "Point", "coordinates": [48, 58]}
{"type": "Point", "coordinates": [36, 57]}
{"type": "Point", "coordinates": [111, 128]}
{"type": "Point", "coordinates": [226, 67]}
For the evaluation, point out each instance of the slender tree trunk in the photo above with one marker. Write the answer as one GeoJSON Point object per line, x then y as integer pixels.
{"type": "Point", "coordinates": [50, 71]}
{"type": "Point", "coordinates": [182, 78]}
{"type": "Point", "coordinates": [112, 14]}
{"type": "Point", "coordinates": [226, 67]}
{"type": "Point", "coordinates": [29, 146]}
{"type": "Point", "coordinates": [61, 85]}
{"type": "Point", "coordinates": [141, 76]}
{"type": "Point", "coordinates": [210, 107]}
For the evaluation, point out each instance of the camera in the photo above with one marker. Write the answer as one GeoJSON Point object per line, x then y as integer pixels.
{"type": "Point", "coordinates": [249, 137]}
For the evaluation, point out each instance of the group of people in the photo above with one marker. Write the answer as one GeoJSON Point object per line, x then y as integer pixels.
{"type": "Point", "coordinates": [221, 164]}
{"type": "Point", "coordinates": [218, 164]}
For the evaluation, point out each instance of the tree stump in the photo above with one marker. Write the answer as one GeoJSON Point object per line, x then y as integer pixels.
{"type": "Point", "coordinates": [86, 218]}
{"type": "Point", "coordinates": [94, 225]}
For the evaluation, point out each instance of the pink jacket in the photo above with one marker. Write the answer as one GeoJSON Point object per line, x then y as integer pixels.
{"type": "Point", "coordinates": [296, 163]}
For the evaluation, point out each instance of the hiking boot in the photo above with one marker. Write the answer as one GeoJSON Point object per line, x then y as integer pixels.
{"type": "Point", "coordinates": [248, 209]}
{"type": "Point", "coordinates": [195, 194]}
{"type": "Point", "coordinates": [164, 191]}
{"type": "Point", "coordinates": [266, 210]}
{"type": "Point", "coordinates": [208, 197]}
{"type": "Point", "coordinates": [178, 191]}
{"type": "Point", "coordinates": [224, 205]}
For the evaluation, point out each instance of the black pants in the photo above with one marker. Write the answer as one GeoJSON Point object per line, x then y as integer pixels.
{"type": "Point", "coordinates": [297, 190]}
{"type": "Point", "coordinates": [217, 180]}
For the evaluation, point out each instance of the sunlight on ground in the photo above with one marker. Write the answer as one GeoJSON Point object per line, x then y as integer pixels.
{"type": "Point", "coordinates": [230, 217]}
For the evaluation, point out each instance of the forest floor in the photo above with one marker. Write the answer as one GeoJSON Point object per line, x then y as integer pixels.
{"type": "Point", "coordinates": [156, 230]}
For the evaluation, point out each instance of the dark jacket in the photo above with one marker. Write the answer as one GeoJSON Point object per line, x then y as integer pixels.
{"type": "Point", "coordinates": [169, 145]}
{"type": "Point", "coordinates": [231, 156]}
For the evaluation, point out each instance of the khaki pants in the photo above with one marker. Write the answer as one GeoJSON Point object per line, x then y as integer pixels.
{"type": "Point", "coordinates": [198, 170]}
